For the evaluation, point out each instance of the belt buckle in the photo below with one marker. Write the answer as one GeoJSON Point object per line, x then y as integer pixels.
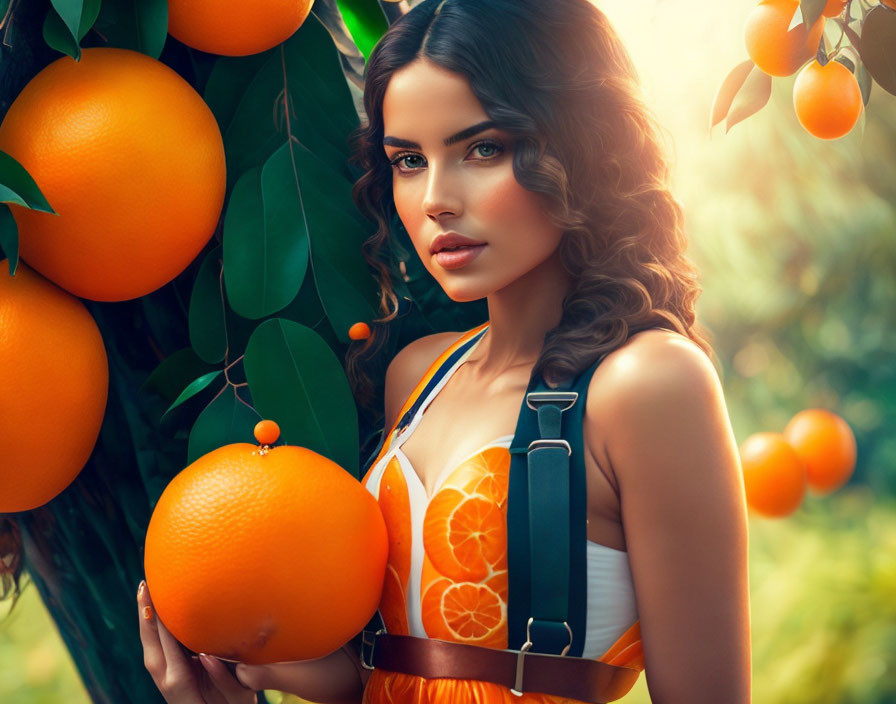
{"type": "Point", "coordinates": [517, 688]}
{"type": "Point", "coordinates": [550, 442]}
{"type": "Point", "coordinates": [368, 638]}
{"type": "Point", "coordinates": [567, 398]}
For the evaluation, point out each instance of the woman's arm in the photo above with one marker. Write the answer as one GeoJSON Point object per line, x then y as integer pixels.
{"type": "Point", "coordinates": [337, 678]}
{"type": "Point", "coordinates": [684, 514]}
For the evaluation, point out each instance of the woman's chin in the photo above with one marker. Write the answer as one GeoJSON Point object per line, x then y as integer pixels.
{"type": "Point", "coordinates": [460, 294]}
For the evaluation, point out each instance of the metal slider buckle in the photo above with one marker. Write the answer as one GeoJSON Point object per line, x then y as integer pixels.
{"type": "Point", "coordinates": [368, 640]}
{"type": "Point", "coordinates": [517, 688]}
{"type": "Point", "coordinates": [551, 397]}
{"type": "Point", "coordinates": [550, 442]}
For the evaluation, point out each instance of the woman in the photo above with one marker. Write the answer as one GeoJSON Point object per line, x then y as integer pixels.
{"type": "Point", "coordinates": [512, 130]}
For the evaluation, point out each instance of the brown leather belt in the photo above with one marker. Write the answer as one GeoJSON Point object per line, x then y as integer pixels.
{"type": "Point", "coordinates": [520, 671]}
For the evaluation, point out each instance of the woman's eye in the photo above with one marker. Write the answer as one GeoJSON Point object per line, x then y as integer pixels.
{"type": "Point", "coordinates": [491, 146]}
{"type": "Point", "coordinates": [400, 159]}
{"type": "Point", "coordinates": [487, 150]}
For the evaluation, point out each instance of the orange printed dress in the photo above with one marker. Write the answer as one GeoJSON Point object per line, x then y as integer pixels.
{"type": "Point", "coordinates": [446, 575]}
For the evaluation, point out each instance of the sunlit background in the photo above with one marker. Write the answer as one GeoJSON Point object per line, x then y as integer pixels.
{"type": "Point", "coordinates": [795, 238]}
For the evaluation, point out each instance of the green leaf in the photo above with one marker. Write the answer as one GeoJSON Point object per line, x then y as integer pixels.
{"type": "Point", "coordinates": [812, 10]}
{"type": "Point", "coordinates": [17, 186]}
{"type": "Point", "coordinates": [351, 59]}
{"type": "Point", "coordinates": [140, 26]}
{"type": "Point", "coordinates": [864, 79]}
{"type": "Point", "coordinates": [303, 78]}
{"type": "Point", "coordinates": [9, 238]}
{"type": "Point", "coordinates": [208, 333]}
{"type": "Point", "coordinates": [224, 421]}
{"type": "Point", "coordinates": [365, 21]}
{"type": "Point", "coordinates": [297, 381]}
{"type": "Point", "coordinates": [265, 240]}
{"type": "Point", "coordinates": [336, 231]}
{"type": "Point", "coordinates": [174, 373]}
{"type": "Point", "coordinates": [67, 22]}
{"type": "Point", "coordinates": [876, 46]}
{"type": "Point", "coordinates": [229, 80]}
{"type": "Point", "coordinates": [306, 309]}
{"type": "Point", "coordinates": [192, 389]}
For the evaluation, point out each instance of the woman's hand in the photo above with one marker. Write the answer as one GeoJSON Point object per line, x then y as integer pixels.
{"type": "Point", "coordinates": [180, 679]}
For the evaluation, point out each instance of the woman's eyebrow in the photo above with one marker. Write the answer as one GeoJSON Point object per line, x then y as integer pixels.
{"type": "Point", "coordinates": [459, 137]}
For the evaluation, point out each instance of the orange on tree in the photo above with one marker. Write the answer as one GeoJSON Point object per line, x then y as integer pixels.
{"type": "Point", "coordinates": [833, 8]}
{"type": "Point", "coordinates": [235, 27]}
{"type": "Point", "coordinates": [359, 331]}
{"type": "Point", "coordinates": [132, 161]}
{"type": "Point", "coordinates": [771, 47]}
{"type": "Point", "coordinates": [827, 99]}
{"type": "Point", "coordinates": [774, 474]}
{"type": "Point", "coordinates": [55, 379]}
{"type": "Point", "coordinates": [826, 444]}
{"type": "Point", "coordinates": [265, 555]}
{"type": "Point", "coordinates": [266, 432]}
{"type": "Point", "coordinates": [889, 3]}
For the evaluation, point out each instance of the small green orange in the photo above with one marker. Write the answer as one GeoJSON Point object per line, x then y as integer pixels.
{"type": "Point", "coordinates": [267, 432]}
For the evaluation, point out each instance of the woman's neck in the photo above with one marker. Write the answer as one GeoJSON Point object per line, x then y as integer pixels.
{"type": "Point", "coordinates": [520, 315]}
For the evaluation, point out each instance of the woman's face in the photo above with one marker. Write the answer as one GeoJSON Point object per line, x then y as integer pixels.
{"type": "Point", "coordinates": [467, 187]}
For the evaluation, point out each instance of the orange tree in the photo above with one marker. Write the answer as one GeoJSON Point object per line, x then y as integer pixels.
{"type": "Point", "coordinates": [252, 324]}
{"type": "Point", "coordinates": [833, 83]}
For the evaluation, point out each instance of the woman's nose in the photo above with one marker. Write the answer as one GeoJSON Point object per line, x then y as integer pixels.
{"type": "Point", "coordinates": [443, 194]}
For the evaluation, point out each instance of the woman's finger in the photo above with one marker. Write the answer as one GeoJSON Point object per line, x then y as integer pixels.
{"type": "Point", "coordinates": [175, 665]}
{"type": "Point", "coordinates": [153, 655]}
{"type": "Point", "coordinates": [225, 682]}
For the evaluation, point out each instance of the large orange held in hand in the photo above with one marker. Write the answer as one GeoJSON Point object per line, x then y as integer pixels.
{"type": "Point", "coordinates": [265, 555]}
{"type": "Point", "coordinates": [774, 475]}
{"type": "Point", "coordinates": [771, 47]}
{"type": "Point", "coordinates": [827, 99]}
{"type": "Point", "coordinates": [54, 380]}
{"type": "Point", "coordinates": [235, 27]}
{"type": "Point", "coordinates": [132, 161]}
{"type": "Point", "coordinates": [827, 445]}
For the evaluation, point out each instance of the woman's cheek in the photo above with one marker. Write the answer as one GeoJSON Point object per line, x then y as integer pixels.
{"type": "Point", "coordinates": [500, 201]}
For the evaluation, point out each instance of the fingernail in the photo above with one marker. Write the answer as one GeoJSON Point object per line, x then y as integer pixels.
{"type": "Point", "coordinates": [141, 588]}
{"type": "Point", "coordinates": [147, 612]}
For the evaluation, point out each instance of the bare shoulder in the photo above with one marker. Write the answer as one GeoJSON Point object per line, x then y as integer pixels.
{"type": "Point", "coordinates": [652, 366]}
{"type": "Point", "coordinates": [646, 385]}
{"type": "Point", "coordinates": [408, 366]}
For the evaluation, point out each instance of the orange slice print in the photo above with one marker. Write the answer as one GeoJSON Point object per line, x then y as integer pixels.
{"type": "Point", "coordinates": [464, 536]}
{"type": "Point", "coordinates": [465, 612]}
{"type": "Point", "coordinates": [493, 475]}
{"type": "Point", "coordinates": [396, 508]}
{"type": "Point", "coordinates": [485, 473]}
{"type": "Point", "coordinates": [393, 604]}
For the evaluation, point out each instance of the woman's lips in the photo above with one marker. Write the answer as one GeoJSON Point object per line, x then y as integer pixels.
{"type": "Point", "coordinates": [455, 259]}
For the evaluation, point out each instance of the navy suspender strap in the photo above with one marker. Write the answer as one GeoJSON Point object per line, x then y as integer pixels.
{"type": "Point", "coordinates": [546, 521]}
{"type": "Point", "coordinates": [436, 378]}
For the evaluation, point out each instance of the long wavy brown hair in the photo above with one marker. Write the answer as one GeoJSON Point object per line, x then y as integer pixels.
{"type": "Point", "coordinates": [556, 76]}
